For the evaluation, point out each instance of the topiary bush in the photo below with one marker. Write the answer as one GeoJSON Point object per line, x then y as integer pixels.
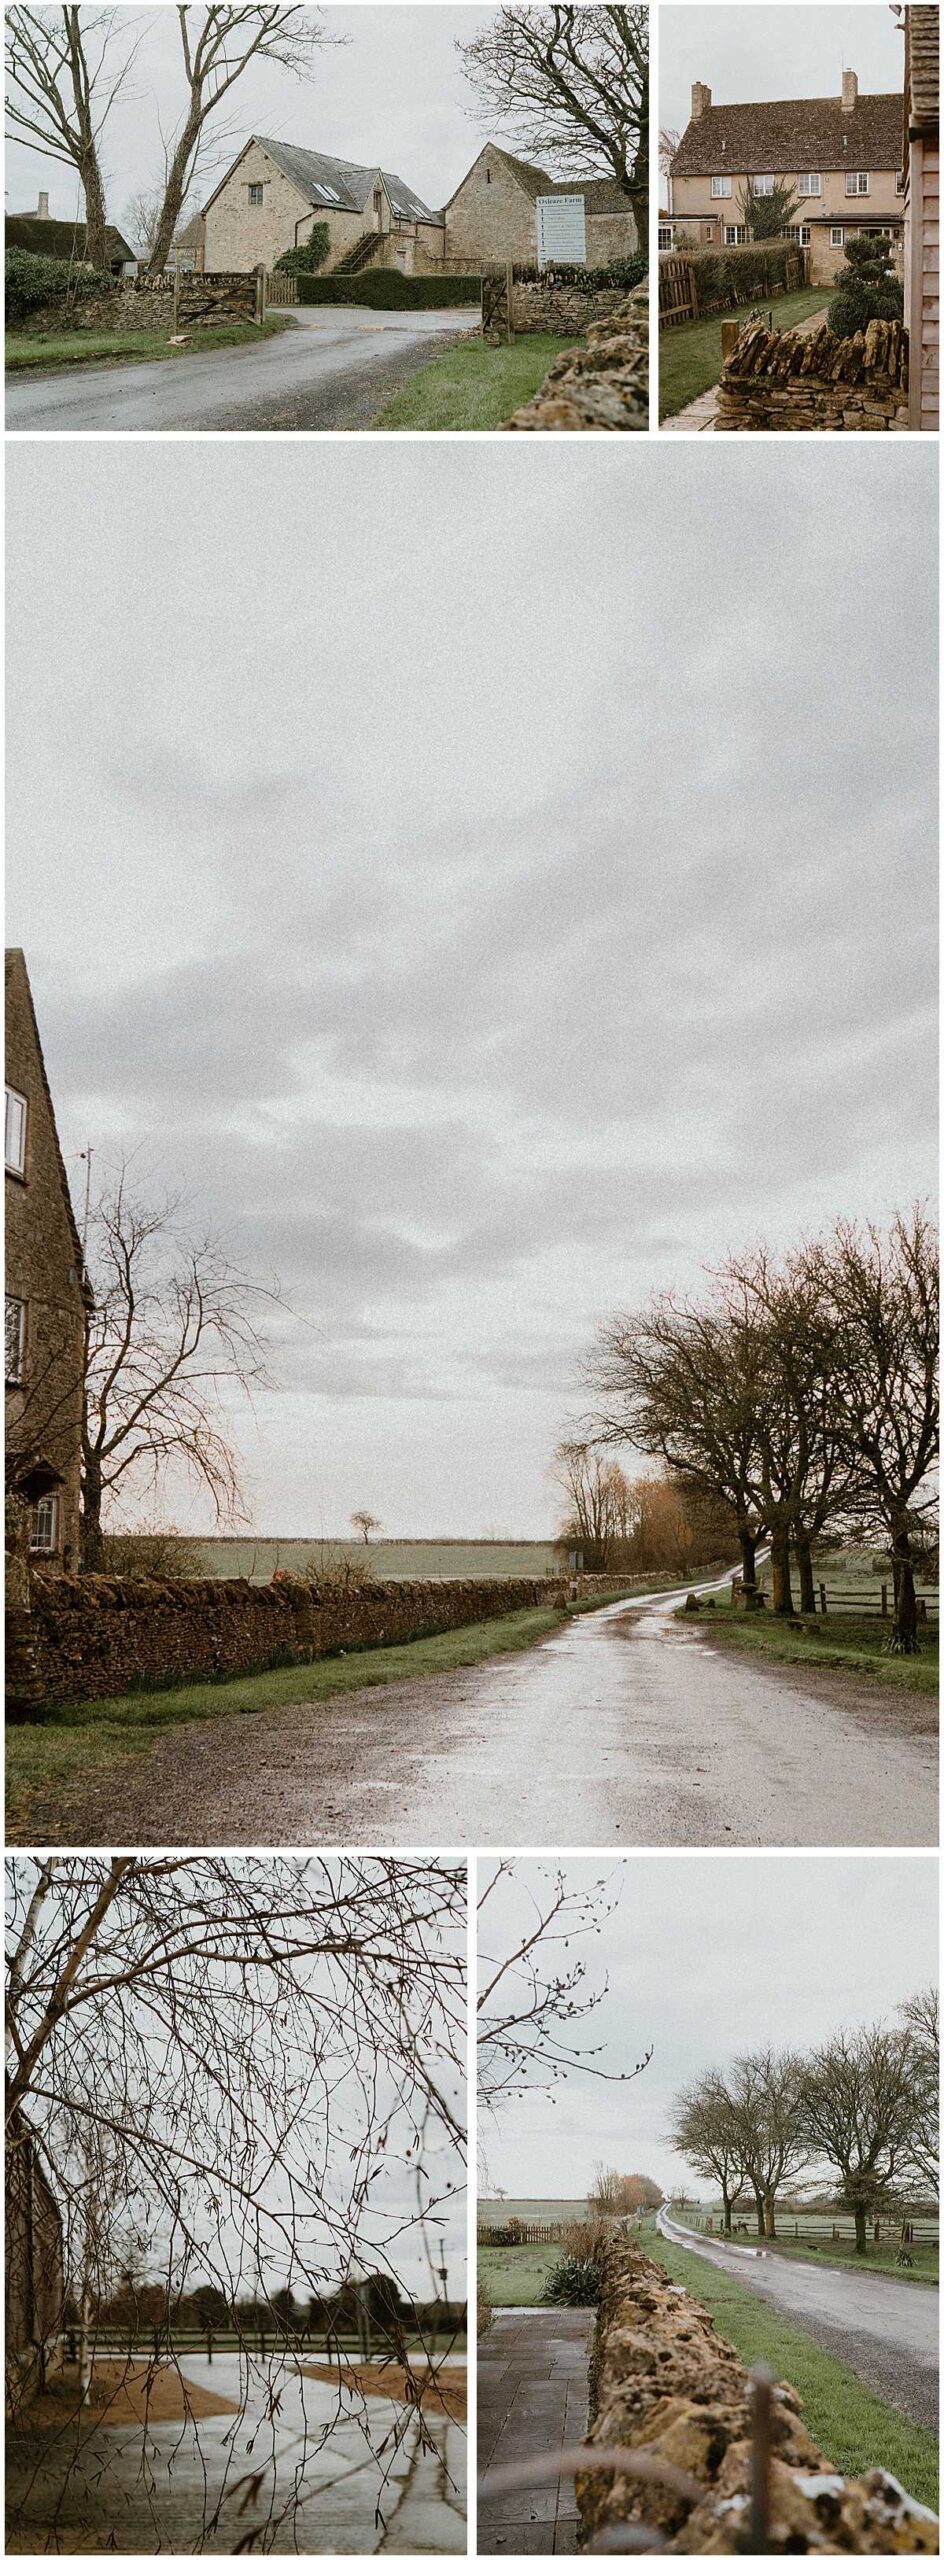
{"type": "Point", "coordinates": [866, 287]}
{"type": "Point", "coordinates": [387, 290]}
{"type": "Point", "coordinates": [32, 281]}
{"type": "Point", "coordinates": [307, 260]}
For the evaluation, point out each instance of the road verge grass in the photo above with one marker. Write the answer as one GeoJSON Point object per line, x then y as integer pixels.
{"type": "Point", "coordinates": [25, 354]}
{"type": "Point", "coordinates": [690, 355]}
{"type": "Point", "coordinates": [854, 2428]}
{"type": "Point", "coordinates": [879, 2261]}
{"type": "Point", "coordinates": [471, 386]}
{"type": "Point", "coordinates": [77, 1742]}
{"type": "Point", "coordinates": [853, 1644]}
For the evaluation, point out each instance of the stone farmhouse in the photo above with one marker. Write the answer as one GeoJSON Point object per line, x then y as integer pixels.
{"type": "Point", "coordinates": [921, 157]}
{"type": "Point", "coordinates": [47, 1296]}
{"type": "Point", "coordinates": [841, 157]}
{"type": "Point", "coordinates": [502, 211]}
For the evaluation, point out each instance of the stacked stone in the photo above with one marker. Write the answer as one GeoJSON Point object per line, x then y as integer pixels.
{"type": "Point", "coordinates": [604, 383]}
{"type": "Point", "coordinates": [664, 2384]}
{"type": "Point", "coordinates": [811, 382]}
{"type": "Point", "coordinates": [562, 309]}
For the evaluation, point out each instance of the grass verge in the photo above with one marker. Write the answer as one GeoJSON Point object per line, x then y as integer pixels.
{"type": "Point", "coordinates": [513, 2277]}
{"type": "Point", "coordinates": [879, 2261]}
{"type": "Point", "coordinates": [690, 356]}
{"type": "Point", "coordinates": [855, 2429]}
{"type": "Point", "coordinates": [818, 1643]}
{"type": "Point", "coordinates": [81, 1741]}
{"type": "Point", "coordinates": [471, 385]}
{"type": "Point", "coordinates": [88, 346]}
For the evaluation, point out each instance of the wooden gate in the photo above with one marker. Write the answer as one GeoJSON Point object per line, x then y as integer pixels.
{"type": "Point", "coordinates": [496, 305]}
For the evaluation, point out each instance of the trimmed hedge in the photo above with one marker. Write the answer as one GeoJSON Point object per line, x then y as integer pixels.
{"type": "Point", "coordinates": [388, 290]}
{"type": "Point", "coordinates": [724, 277]}
{"type": "Point", "coordinates": [32, 281]}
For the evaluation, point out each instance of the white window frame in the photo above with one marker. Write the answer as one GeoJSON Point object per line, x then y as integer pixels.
{"type": "Point", "coordinates": [256, 192]}
{"type": "Point", "coordinates": [837, 236]}
{"type": "Point", "coordinates": [13, 1357]}
{"type": "Point", "coordinates": [857, 182]}
{"type": "Point", "coordinates": [735, 235]}
{"type": "Point", "coordinates": [763, 186]}
{"type": "Point", "coordinates": [665, 235]}
{"type": "Point", "coordinates": [720, 187]}
{"type": "Point", "coordinates": [44, 1526]}
{"type": "Point", "coordinates": [15, 1116]}
{"type": "Point", "coordinates": [709, 230]}
{"type": "Point", "coordinates": [809, 183]}
{"type": "Point", "coordinates": [804, 234]}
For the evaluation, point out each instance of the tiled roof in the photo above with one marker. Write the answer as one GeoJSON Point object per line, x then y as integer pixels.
{"type": "Point", "coordinates": [50, 239]}
{"type": "Point", "coordinates": [922, 70]}
{"type": "Point", "coordinates": [328, 182]}
{"type": "Point", "coordinates": [601, 195]}
{"type": "Point", "coordinates": [789, 134]}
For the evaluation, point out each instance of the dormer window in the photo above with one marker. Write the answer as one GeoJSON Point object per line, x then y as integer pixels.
{"type": "Point", "coordinates": [14, 1142]}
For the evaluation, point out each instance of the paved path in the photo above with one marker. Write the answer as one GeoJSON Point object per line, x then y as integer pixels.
{"type": "Point", "coordinates": [627, 1727]}
{"type": "Point", "coordinates": [699, 417]}
{"type": "Point", "coordinates": [532, 2400]}
{"type": "Point", "coordinates": [333, 368]}
{"type": "Point", "coordinates": [885, 2329]}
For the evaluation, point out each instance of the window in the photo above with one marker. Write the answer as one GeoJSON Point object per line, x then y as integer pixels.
{"type": "Point", "coordinates": [763, 186]}
{"type": "Point", "coordinates": [44, 1526]}
{"type": "Point", "coordinates": [14, 1143]}
{"type": "Point", "coordinates": [709, 230]}
{"type": "Point", "coordinates": [721, 186]}
{"type": "Point", "coordinates": [837, 237]}
{"type": "Point", "coordinates": [804, 234]}
{"type": "Point", "coordinates": [665, 235]}
{"type": "Point", "coordinates": [256, 195]}
{"type": "Point", "coordinates": [735, 234]}
{"type": "Point", "coordinates": [14, 1328]}
{"type": "Point", "coordinates": [808, 182]}
{"type": "Point", "coordinates": [857, 182]}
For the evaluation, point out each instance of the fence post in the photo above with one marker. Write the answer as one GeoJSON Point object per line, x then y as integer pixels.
{"type": "Point", "coordinates": [822, 1598]}
{"type": "Point", "coordinates": [209, 2346]}
{"type": "Point", "coordinates": [884, 1599]}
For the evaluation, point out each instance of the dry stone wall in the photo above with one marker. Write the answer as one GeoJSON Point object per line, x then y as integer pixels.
{"type": "Point", "coordinates": [602, 384]}
{"type": "Point", "coordinates": [92, 1637]}
{"type": "Point", "coordinates": [813, 383]}
{"type": "Point", "coordinates": [561, 309]}
{"type": "Point", "coordinates": [204, 302]}
{"type": "Point", "coordinates": [664, 2384]}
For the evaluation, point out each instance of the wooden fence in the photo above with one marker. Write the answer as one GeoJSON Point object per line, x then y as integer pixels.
{"type": "Point", "coordinates": [898, 2231]}
{"type": "Point", "coordinates": [515, 2235]}
{"type": "Point", "coordinates": [678, 292]}
{"type": "Point", "coordinates": [280, 290]}
{"type": "Point", "coordinates": [684, 296]}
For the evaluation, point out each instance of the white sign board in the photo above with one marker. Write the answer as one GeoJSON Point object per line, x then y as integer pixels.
{"type": "Point", "coordinates": [562, 231]}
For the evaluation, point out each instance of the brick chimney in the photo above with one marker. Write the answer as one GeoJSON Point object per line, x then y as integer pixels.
{"type": "Point", "coordinates": [42, 210]}
{"type": "Point", "coordinates": [701, 98]}
{"type": "Point", "coordinates": [850, 92]}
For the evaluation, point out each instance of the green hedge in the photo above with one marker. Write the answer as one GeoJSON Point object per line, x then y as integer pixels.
{"type": "Point", "coordinates": [388, 290]}
{"type": "Point", "coordinates": [724, 277]}
{"type": "Point", "coordinates": [32, 281]}
{"type": "Point", "coordinates": [626, 272]}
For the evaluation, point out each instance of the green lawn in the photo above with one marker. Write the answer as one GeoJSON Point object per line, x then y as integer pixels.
{"type": "Point", "coordinates": [846, 1644]}
{"type": "Point", "coordinates": [690, 356]}
{"type": "Point", "coordinates": [513, 2276]}
{"type": "Point", "coordinates": [145, 346]}
{"type": "Point", "coordinates": [854, 2428]}
{"type": "Point", "coordinates": [881, 2260]}
{"type": "Point", "coordinates": [78, 1742]}
{"type": "Point", "coordinates": [472, 385]}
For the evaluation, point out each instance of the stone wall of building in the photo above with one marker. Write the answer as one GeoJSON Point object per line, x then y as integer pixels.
{"type": "Point", "coordinates": [663, 2384]}
{"type": "Point", "coordinates": [43, 1277]}
{"type": "Point", "coordinates": [92, 1637]}
{"type": "Point", "coordinates": [491, 218]}
{"type": "Point", "coordinates": [815, 383]}
{"type": "Point", "coordinates": [244, 236]}
{"type": "Point", "coordinates": [33, 2264]}
{"type": "Point", "coordinates": [602, 384]}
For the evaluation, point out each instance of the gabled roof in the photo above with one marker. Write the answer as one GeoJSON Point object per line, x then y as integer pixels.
{"type": "Point", "coordinates": [601, 195]}
{"type": "Point", "coordinates": [790, 134]}
{"type": "Point", "coordinates": [922, 71]}
{"type": "Point", "coordinates": [16, 981]}
{"type": "Point", "coordinates": [60, 239]}
{"type": "Point", "coordinates": [331, 184]}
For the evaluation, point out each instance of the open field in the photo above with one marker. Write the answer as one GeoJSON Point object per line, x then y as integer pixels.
{"type": "Point", "coordinates": [388, 1559]}
{"type": "Point", "coordinates": [45, 1762]}
{"type": "Point", "coordinates": [511, 2277]}
{"type": "Point", "coordinates": [690, 355]}
{"type": "Point", "coordinates": [494, 2209]}
{"type": "Point", "coordinates": [472, 385]}
{"type": "Point", "coordinates": [810, 2236]}
{"type": "Point", "coordinates": [26, 354]}
{"type": "Point", "coordinates": [855, 2429]}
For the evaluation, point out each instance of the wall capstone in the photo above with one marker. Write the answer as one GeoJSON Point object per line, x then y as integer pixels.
{"type": "Point", "coordinates": [814, 383]}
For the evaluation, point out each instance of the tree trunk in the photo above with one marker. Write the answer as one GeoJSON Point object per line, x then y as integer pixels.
{"type": "Point", "coordinates": [96, 244]}
{"type": "Point", "coordinates": [178, 174]}
{"type": "Point", "coordinates": [904, 1636]}
{"type": "Point", "coordinates": [804, 1553]}
{"type": "Point", "coordinates": [780, 1573]}
{"type": "Point", "coordinates": [759, 2209]}
{"type": "Point", "coordinates": [91, 1543]}
{"type": "Point", "coordinates": [860, 2240]}
{"type": "Point", "coordinates": [748, 1546]}
{"type": "Point", "coordinates": [770, 2218]}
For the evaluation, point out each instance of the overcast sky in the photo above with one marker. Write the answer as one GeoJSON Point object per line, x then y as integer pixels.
{"type": "Point", "coordinates": [394, 94]}
{"type": "Point", "coordinates": [705, 1960]}
{"type": "Point", "coordinates": [491, 879]}
{"type": "Point", "coordinates": [773, 53]}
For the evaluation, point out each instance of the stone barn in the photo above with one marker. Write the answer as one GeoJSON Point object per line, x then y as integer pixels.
{"type": "Point", "coordinates": [495, 214]}
{"type": "Point", "coordinates": [275, 191]}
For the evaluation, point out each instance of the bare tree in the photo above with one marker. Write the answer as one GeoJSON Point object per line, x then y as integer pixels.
{"type": "Point", "coordinates": [365, 1523]}
{"type": "Point", "coordinates": [598, 1502]}
{"type": "Point", "coordinates": [669, 139]}
{"type": "Point", "coordinates": [532, 1999]}
{"type": "Point", "coordinates": [770, 2129]}
{"type": "Point", "coordinates": [706, 2131]}
{"type": "Point", "coordinates": [805, 1468]}
{"type": "Point", "coordinates": [571, 85]}
{"type": "Point", "coordinates": [860, 2104]}
{"type": "Point", "coordinates": [217, 2060]}
{"type": "Point", "coordinates": [217, 46]}
{"type": "Point", "coordinates": [173, 1326]}
{"type": "Point", "coordinates": [66, 69]}
{"type": "Point", "coordinates": [884, 1291]}
{"type": "Point", "coordinates": [683, 1383]}
{"type": "Point", "coordinates": [921, 2015]}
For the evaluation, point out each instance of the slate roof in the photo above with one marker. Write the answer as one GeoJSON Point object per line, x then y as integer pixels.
{"type": "Point", "coordinates": [922, 71]}
{"type": "Point", "coordinates": [61, 239]}
{"type": "Point", "coordinates": [790, 134]}
{"type": "Point", "coordinates": [328, 182]}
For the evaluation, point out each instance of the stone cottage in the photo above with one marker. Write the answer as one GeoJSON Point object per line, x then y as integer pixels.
{"type": "Point", "coordinates": [500, 210]}
{"type": "Point", "coordinates": [273, 193]}
{"type": "Point", "coordinates": [841, 157]}
{"type": "Point", "coordinates": [46, 1295]}
{"type": "Point", "coordinates": [921, 155]}
{"type": "Point", "coordinates": [48, 238]}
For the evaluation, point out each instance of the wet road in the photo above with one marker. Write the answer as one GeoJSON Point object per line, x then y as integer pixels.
{"type": "Point", "coordinates": [332, 368]}
{"type": "Point", "coordinates": [322, 2461]}
{"type": "Point", "coordinates": [627, 1727]}
{"type": "Point", "coordinates": [885, 2330]}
